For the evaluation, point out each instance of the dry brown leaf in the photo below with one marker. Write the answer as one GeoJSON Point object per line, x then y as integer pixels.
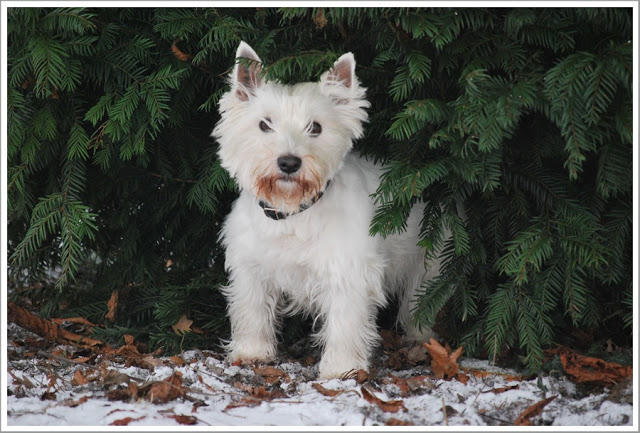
{"type": "Point", "coordinates": [589, 369]}
{"type": "Point", "coordinates": [326, 392]}
{"type": "Point", "coordinates": [126, 421]}
{"type": "Point", "coordinates": [114, 377]}
{"type": "Point", "coordinates": [320, 19]}
{"type": "Point", "coordinates": [483, 373]}
{"type": "Point", "coordinates": [185, 419]}
{"type": "Point", "coordinates": [390, 340]}
{"type": "Point", "coordinates": [504, 388]}
{"type": "Point", "coordinates": [198, 404]}
{"type": "Point", "coordinates": [416, 382]}
{"type": "Point", "coordinates": [243, 402]}
{"type": "Point", "coordinates": [396, 422]}
{"type": "Point", "coordinates": [362, 376]}
{"type": "Point", "coordinates": [387, 406]}
{"type": "Point", "coordinates": [79, 379]}
{"type": "Point", "coordinates": [48, 396]}
{"type": "Point", "coordinates": [177, 360]}
{"type": "Point", "coordinates": [271, 374]}
{"type": "Point", "coordinates": [182, 326]}
{"type": "Point", "coordinates": [129, 349]}
{"type": "Point", "coordinates": [416, 355]}
{"type": "Point", "coordinates": [21, 381]}
{"type": "Point", "coordinates": [76, 403]}
{"type": "Point", "coordinates": [443, 363]}
{"type": "Point", "coordinates": [400, 383]}
{"type": "Point", "coordinates": [85, 359]}
{"type": "Point", "coordinates": [462, 378]}
{"type": "Point", "coordinates": [112, 305]}
{"type": "Point", "coordinates": [165, 390]}
{"type": "Point", "coordinates": [534, 410]}
{"type": "Point", "coordinates": [183, 57]}
{"type": "Point", "coordinates": [201, 380]}
{"type": "Point", "coordinates": [133, 389]}
{"type": "Point", "coordinates": [119, 394]}
{"type": "Point", "coordinates": [150, 361]}
{"type": "Point", "coordinates": [259, 392]}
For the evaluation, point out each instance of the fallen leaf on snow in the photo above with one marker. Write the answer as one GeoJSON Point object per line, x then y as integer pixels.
{"type": "Point", "coordinates": [126, 421]}
{"type": "Point", "coordinates": [396, 422]}
{"type": "Point", "coordinates": [114, 377]}
{"type": "Point", "coordinates": [259, 392]}
{"type": "Point", "coordinates": [48, 396]}
{"type": "Point", "coordinates": [177, 360]}
{"type": "Point", "coordinates": [386, 406]}
{"type": "Point", "coordinates": [589, 369]}
{"type": "Point", "coordinates": [20, 380]}
{"type": "Point", "coordinates": [326, 392]}
{"type": "Point", "coordinates": [362, 376]}
{"type": "Point", "coordinates": [76, 403]}
{"type": "Point", "coordinates": [504, 388]}
{"type": "Point", "coordinates": [483, 373]}
{"type": "Point", "coordinates": [184, 419]}
{"type": "Point", "coordinates": [534, 410]}
{"type": "Point", "coordinates": [243, 402]}
{"type": "Point", "coordinates": [400, 383]}
{"type": "Point", "coordinates": [271, 374]}
{"type": "Point", "coordinates": [129, 349]}
{"type": "Point", "coordinates": [416, 382]}
{"type": "Point", "coordinates": [443, 363]}
{"type": "Point", "coordinates": [164, 390]}
{"type": "Point", "coordinates": [79, 379]}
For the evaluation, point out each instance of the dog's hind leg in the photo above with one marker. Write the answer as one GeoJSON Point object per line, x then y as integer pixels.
{"type": "Point", "coordinates": [414, 332]}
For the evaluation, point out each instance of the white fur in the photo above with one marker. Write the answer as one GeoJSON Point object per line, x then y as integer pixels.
{"type": "Point", "coordinates": [321, 261]}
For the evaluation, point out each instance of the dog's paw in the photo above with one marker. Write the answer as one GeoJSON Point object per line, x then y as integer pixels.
{"type": "Point", "coordinates": [340, 368]}
{"type": "Point", "coordinates": [251, 354]}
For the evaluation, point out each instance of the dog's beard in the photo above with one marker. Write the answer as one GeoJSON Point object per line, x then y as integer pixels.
{"type": "Point", "coordinates": [289, 193]}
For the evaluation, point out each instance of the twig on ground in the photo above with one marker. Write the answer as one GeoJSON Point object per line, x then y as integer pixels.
{"type": "Point", "coordinates": [48, 329]}
{"type": "Point", "coordinates": [495, 418]}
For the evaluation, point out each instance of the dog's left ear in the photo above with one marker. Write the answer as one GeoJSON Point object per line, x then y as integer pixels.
{"type": "Point", "coordinates": [343, 72]}
{"type": "Point", "coordinates": [246, 77]}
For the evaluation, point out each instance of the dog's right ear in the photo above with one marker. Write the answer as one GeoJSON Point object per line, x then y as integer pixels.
{"type": "Point", "coordinates": [246, 74]}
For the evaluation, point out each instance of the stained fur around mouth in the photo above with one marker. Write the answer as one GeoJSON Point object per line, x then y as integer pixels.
{"type": "Point", "coordinates": [286, 189]}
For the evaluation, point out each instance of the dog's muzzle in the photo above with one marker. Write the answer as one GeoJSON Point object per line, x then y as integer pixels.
{"type": "Point", "coordinates": [275, 214]}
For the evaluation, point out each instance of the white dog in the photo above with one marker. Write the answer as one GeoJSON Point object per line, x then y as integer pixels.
{"type": "Point", "coordinates": [298, 238]}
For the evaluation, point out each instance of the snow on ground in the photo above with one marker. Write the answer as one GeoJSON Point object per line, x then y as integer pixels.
{"type": "Point", "coordinates": [216, 395]}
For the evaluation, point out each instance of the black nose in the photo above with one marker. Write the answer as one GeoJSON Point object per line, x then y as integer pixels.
{"type": "Point", "coordinates": [289, 163]}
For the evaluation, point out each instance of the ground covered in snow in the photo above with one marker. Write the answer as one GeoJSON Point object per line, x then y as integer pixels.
{"type": "Point", "coordinates": [50, 385]}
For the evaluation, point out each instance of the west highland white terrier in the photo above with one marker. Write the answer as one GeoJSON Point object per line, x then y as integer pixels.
{"type": "Point", "coordinates": [297, 238]}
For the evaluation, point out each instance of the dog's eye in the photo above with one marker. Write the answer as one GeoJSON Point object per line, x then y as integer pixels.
{"type": "Point", "coordinates": [315, 129]}
{"type": "Point", "coordinates": [264, 127]}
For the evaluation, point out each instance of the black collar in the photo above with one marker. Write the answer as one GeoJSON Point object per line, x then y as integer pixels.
{"type": "Point", "coordinates": [274, 214]}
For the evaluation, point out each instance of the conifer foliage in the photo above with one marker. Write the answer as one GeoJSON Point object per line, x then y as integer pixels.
{"type": "Point", "coordinates": [512, 125]}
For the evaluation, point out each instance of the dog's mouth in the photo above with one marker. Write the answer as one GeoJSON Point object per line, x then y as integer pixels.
{"type": "Point", "coordinates": [276, 213]}
{"type": "Point", "coordinates": [287, 179]}
{"type": "Point", "coordinates": [288, 192]}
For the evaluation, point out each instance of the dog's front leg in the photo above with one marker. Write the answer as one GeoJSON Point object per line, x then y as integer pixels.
{"type": "Point", "coordinates": [349, 330]}
{"type": "Point", "coordinates": [252, 312]}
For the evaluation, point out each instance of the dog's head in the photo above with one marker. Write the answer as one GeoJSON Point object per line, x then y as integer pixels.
{"type": "Point", "coordinates": [285, 143]}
